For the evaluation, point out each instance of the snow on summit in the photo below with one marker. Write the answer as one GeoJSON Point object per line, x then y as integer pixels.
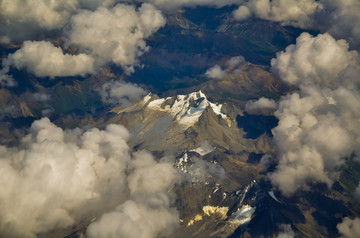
{"type": "Point", "coordinates": [186, 109]}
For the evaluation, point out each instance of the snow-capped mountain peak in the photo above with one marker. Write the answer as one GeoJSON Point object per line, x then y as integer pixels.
{"type": "Point", "coordinates": [186, 109]}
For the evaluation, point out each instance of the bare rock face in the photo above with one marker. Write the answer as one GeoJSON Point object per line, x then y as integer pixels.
{"type": "Point", "coordinates": [183, 122]}
{"type": "Point", "coordinates": [211, 154]}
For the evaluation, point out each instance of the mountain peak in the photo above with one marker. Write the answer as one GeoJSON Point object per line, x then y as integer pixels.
{"type": "Point", "coordinates": [186, 109]}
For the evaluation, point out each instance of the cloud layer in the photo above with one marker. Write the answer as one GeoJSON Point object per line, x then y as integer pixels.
{"type": "Point", "coordinates": [56, 178]}
{"type": "Point", "coordinates": [349, 228]}
{"type": "Point", "coordinates": [260, 105]}
{"type": "Point", "coordinates": [148, 213]}
{"type": "Point", "coordinates": [318, 125]}
{"type": "Point", "coordinates": [120, 93]}
{"type": "Point", "coordinates": [315, 60]}
{"type": "Point", "coordinates": [215, 72]}
{"type": "Point", "coordinates": [115, 35]}
{"type": "Point", "coordinates": [289, 12]}
{"type": "Point", "coordinates": [26, 20]}
{"type": "Point", "coordinates": [43, 59]}
{"type": "Point", "coordinates": [340, 18]}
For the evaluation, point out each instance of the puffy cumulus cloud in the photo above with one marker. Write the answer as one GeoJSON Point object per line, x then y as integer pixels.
{"type": "Point", "coordinates": [24, 19]}
{"type": "Point", "coordinates": [317, 60]}
{"type": "Point", "coordinates": [260, 105]}
{"type": "Point", "coordinates": [318, 125]}
{"type": "Point", "coordinates": [340, 18]}
{"type": "Point", "coordinates": [148, 176]}
{"type": "Point", "coordinates": [56, 178]}
{"type": "Point", "coordinates": [215, 72]}
{"type": "Point", "coordinates": [115, 35]}
{"type": "Point", "coordinates": [135, 220]}
{"type": "Point", "coordinates": [317, 129]}
{"type": "Point", "coordinates": [236, 61]}
{"type": "Point", "coordinates": [290, 12]}
{"type": "Point", "coordinates": [46, 60]}
{"type": "Point", "coordinates": [105, 35]}
{"type": "Point", "coordinates": [349, 228]}
{"type": "Point", "coordinates": [286, 231]}
{"type": "Point", "coordinates": [148, 214]}
{"type": "Point", "coordinates": [120, 93]}
{"type": "Point", "coordinates": [54, 173]}
{"type": "Point", "coordinates": [242, 13]}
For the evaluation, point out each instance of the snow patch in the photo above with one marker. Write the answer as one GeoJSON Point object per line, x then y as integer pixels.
{"type": "Point", "coordinates": [186, 109]}
{"type": "Point", "coordinates": [156, 104]}
{"type": "Point", "coordinates": [242, 215]}
{"type": "Point", "coordinates": [147, 98]}
{"type": "Point", "coordinates": [183, 163]}
{"type": "Point", "coordinates": [217, 109]}
{"type": "Point", "coordinates": [216, 188]}
{"type": "Point", "coordinates": [271, 193]}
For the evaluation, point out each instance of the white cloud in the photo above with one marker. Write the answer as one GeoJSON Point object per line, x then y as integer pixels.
{"type": "Point", "coordinates": [290, 12]}
{"type": "Point", "coordinates": [215, 72]}
{"type": "Point", "coordinates": [106, 35]}
{"type": "Point", "coordinates": [25, 19]}
{"type": "Point", "coordinates": [57, 12]}
{"type": "Point", "coordinates": [236, 61]}
{"type": "Point", "coordinates": [56, 178]}
{"type": "Point", "coordinates": [242, 13]}
{"type": "Point", "coordinates": [120, 93]}
{"type": "Point", "coordinates": [318, 125]}
{"type": "Point", "coordinates": [115, 35]}
{"type": "Point", "coordinates": [340, 18]}
{"type": "Point", "coordinates": [45, 60]}
{"type": "Point", "coordinates": [316, 60]}
{"type": "Point", "coordinates": [260, 104]}
{"type": "Point", "coordinates": [349, 228]}
{"type": "Point", "coordinates": [29, 20]}
{"type": "Point", "coordinates": [148, 214]}
{"type": "Point", "coordinates": [133, 220]}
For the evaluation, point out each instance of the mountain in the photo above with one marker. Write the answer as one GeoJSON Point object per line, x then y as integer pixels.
{"type": "Point", "coordinates": [195, 39]}
{"type": "Point", "coordinates": [222, 153]}
{"type": "Point", "coordinates": [225, 192]}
